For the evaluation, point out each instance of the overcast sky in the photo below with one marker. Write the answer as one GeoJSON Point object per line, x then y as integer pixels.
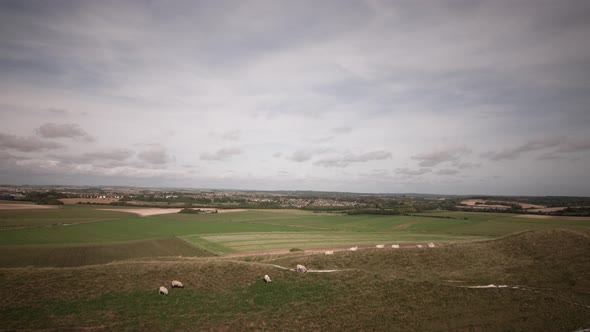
{"type": "Point", "coordinates": [457, 97]}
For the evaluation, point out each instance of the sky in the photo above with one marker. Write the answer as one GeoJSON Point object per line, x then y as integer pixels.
{"type": "Point", "coordinates": [442, 97]}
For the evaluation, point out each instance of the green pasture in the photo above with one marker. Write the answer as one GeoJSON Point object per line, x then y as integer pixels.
{"type": "Point", "coordinates": [374, 290]}
{"type": "Point", "coordinates": [253, 230]}
{"type": "Point", "coordinates": [65, 214]}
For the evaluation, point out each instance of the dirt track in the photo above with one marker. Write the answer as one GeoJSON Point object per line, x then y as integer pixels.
{"type": "Point", "coordinates": [320, 250]}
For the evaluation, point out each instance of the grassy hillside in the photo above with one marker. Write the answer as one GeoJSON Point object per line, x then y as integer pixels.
{"type": "Point", "coordinates": [392, 290]}
{"type": "Point", "coordinates": [88, 254]}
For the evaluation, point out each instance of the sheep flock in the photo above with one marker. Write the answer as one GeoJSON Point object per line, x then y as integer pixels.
{"type": "Point", "coordinates": [299, 268]}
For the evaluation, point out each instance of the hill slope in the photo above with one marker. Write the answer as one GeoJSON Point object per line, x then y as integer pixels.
{"type": "Point", "coordinates": [393, 290]}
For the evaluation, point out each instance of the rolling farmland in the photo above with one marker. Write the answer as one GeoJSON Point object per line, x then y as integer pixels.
{"type": "Point", "coordinates": [98, 236]}
{"type": "Point", "coordinates": [394, 290]}
{"type": "Point", "coordinates": [80, 268]}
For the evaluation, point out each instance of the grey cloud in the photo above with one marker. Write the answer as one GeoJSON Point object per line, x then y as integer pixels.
{"type": "Point", "coordinates": [277, 154]}
{"type": "Point", "coordinates": [301, 156]}
{"type": "Point", "coordinates": [380, 173]}
{"type": "Point", "coordinates": [574, 147]}
{"type": "Point", "coordinates": [530, 146]}
{"type": "Point", "coordinates": [565, 151]}
{"type": "Point", "coordinates": [447, 171]}
{"type": "Point", "coordinates": [353, 158]}
{"type": "Point", "coordinates": [232, 135]}
{"type": "Point", "coordinates": [66, 130]}
{"type": "Point", "coordinates": [29, 167]}
{"type": "Point", "coordinates": [115, 154]}
{"type": "Point", "coordinates": [466, 165]}
{"type": "Point", "coordinates": [6, 158]}
{"type": "Point", "coordinates": [157, 155]}
{"type": "Point", "coordinates": [440, 156]}
{"type": "Point", "coordinates": [58, 111]}
{"type": "Point", "coordinates": [412, 172]}
{"type": "Point", "coordinates": [342, 130]}
{"type": "Point", "coordinates": [322, 139]}
{"type": "Point", "coordinates": [26, 144]}
{"type": "Point", "coordinates": [106, 158]}
{"type": "Point", "coordinates": [551, 156]}
{"type": "Point", "coordinates": [222, 154]}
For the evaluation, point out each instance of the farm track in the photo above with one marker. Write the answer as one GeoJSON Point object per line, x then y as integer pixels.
{"type": "Point", "coordinates": [320, 250]}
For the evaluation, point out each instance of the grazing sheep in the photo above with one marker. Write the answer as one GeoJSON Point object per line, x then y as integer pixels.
{"type": "Point", "coordinates": [267, 278]}
{"type": "Point", "coordinates": [354, 248]}
{"type": "Point", "coordinates": [301, 268]}
{"type": "Point", "coordinates": [419, 246]}
{"type": "Point", "coordinates": [431, 245]}
{"type": "Point", "coordinates": [329, 252]}
{"type": "Point", "coordinates": [380, 246]}
{"type": "Point", "coordinates": [163, 290]}
{"type": "Point", "coordinates": [395, 246]}
{"type": "Point", "coordinates": [177, 284]}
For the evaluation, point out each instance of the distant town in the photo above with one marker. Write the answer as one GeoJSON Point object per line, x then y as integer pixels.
{"type": "Point", "coordinates": [351, 203]}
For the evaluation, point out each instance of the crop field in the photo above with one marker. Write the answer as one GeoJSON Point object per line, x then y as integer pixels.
{"type": "Point", "coordinates": [80, 234]}
{"type": "Point", "coordinates": [248, 242]}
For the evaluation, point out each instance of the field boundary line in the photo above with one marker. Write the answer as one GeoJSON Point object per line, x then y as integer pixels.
{"type": "Point", "coordinates": [526, 288]}
{"type": "Point", "coordinates": [309, 271]}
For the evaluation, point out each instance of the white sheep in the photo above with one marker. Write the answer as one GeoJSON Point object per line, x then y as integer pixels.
{"type": "Point", "coordinates": [267, 278]}
{"type": "Point", "coordinates": [431, 245]}
{"type": "Point", "coordinates": [419, 246]}
{"type": "Point", "coordinates": [380, 246]}
{"type": "Point", "coordinates": [301, 268]}
{"type": "Point", "coordinates": [177, 284]}
{"type": "Point", "coordinates": [395, 246]}
{"type": "Point", "coordinates": [163, 290]}
{"type": "Point", "coordinates": [329, 252]}
{"type": "Point", "coordinates": [354, 248]}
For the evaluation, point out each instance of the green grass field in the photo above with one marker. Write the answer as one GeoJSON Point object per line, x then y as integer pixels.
{"type": "Point", "coordinates": [385, 290]}
{"type": "Point", "coordinates": [72, 214]}
{"type": "Point", "coordinates": [97, 236]}
{"type": "Point", "coordinates": [79, 268]}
